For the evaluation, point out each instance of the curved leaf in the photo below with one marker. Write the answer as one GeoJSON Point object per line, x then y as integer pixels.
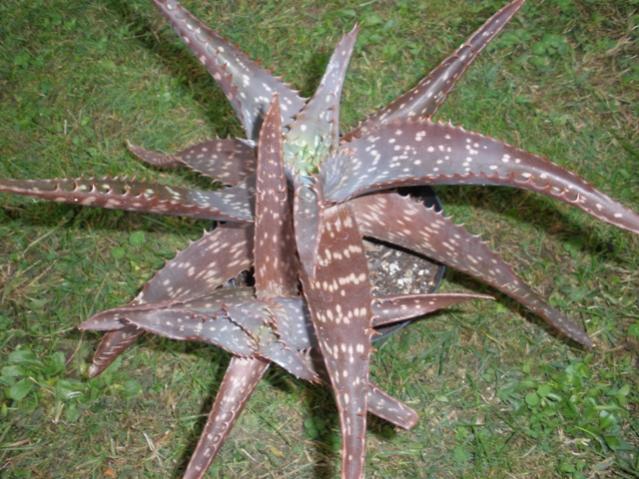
{"type": "Point", "coordinates": [425, 98]}
{"type": "Point", "coordinates": [240, 380]}
{"type": "Point", "coordinates": [229, 161]}
{"type": "Point", "coordinates": [402, 221]}
{"type": "Point", "coordinates": [231, 204]}
{"type": "Point", "coordinates": [247, 86]}
{"type": "Point", "coordinates": [416, 151]}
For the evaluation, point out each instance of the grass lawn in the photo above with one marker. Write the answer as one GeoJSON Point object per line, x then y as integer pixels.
{"type": "Point", "coordinates": [497, 394]}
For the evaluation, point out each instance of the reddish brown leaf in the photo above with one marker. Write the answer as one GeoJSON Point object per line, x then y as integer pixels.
{"type": "Point", "coordinates": [113, 319]}
{"type": "Point", "coordinates": [257, 321]}
{"type": "Point", "coordinates": [247, 86]}
{"type": "Point", "coordinates": [186, 325]}
{"type": "Point", "coordinates": [109, 320]}
{"type": "Point", "coordinates": [256, 336]}
{"type": "Point", "coordinates": [240, 380]}
{"type": "Point", "coordinates": [390, 409]}
{"type": "Point", "coordinates": [294, 327]}
{"type": "Point", "coordinates": [425, 98]}
{"type": "Point", "coordinates": [228, 161]}
{"type": "Point", "coordinates": [291, 321]}
{"type": "Point", "coordinates": [275, 262]}
{"type": "Point", "coordinates": [416, 151]}
{"type": "Point", "coordinates": [400, 220]}
{"type": "Point", "coordinates": [339, 300]}
{"type": "Point", "coordinates": [111, 346]}
{"type": "Point", "coordinates": [203, 266]}
{"type": "Point", "coordinates": [231, 204]}
{"type": "Point", "coordinates": [391, 309]}
{"type": "Point", "coordinates": [231, 319]}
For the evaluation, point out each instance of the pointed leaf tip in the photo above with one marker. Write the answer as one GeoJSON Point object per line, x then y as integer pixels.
{"type": "Point", "coordinates": [426, 97]}
{"type": "Point", "coordinates": [316, 128]}
{"type": "Point", "coordinates": [231, 204]}
{"type": "Point", "coordinates": [339, 300]}
{"type": "Point", "coordinates": [228, 161]}
{"type": "Point", "coordinates": [275, 265]}
{"type": "Point", "coordinates": [240, 380]}
{"type": "Point", "coordinates": [112, 344]}
{"type": "Point", "coordinates": [384, 216]}
{"type": "Point", "coordinates": [391, 309]}
{"type": "Point", "coordinates": [416, 151]}
{"type": "Point", "coordinates": [247, 85]}
{"type": "Point", "coordinates": [153, 158]}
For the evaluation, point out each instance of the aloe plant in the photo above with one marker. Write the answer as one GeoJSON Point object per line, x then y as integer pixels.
{"type": "Point", "coordinates": [266, 324]}
{"type": "Point", "coordinates": [298, 200]}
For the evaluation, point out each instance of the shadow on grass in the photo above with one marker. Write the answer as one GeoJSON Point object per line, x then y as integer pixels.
{"type": "Point", "coordinates": [513, 306]}
{"type": "Point", "coordinates": [222, 360]}
{"type": "Point", "coordinates": [193, 77]}
{"type": "Point", "coordinates": [72, 217]}
{"type": "Point", "coordinates": [180, 64]}
{"type": "Point", "coordinates": [540, 212]}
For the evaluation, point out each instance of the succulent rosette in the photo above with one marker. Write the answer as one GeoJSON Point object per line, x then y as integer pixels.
{"type": "Point", "coordinates": [297, 202]}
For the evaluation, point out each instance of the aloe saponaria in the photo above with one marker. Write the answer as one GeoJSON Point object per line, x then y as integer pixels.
{"type": "Point", "coordinates": [267, 325]}
{"type": "Point", "coordinates": [295, 183]}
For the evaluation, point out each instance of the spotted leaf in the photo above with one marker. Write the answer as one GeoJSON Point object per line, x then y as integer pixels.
{"type": "Point", "coordinates": [203, 266]}
{"type": "Point", "coordinates": [231, 204]}
{"type": "Point", "coordinates": [111, 346]}
{"type": "Point", "coordinates": [289, 311]}
{"type": "Point", "coordinates": [293, 325]}
{"type": "Point", "coordinates": [247, 86]}
{"type": "Point", "coordinates": [228, 161]}
{"type": "Point", "coordinates": [391, 309]}
{"type": "Point", "coordinates": [339, 300]}
{"type": "Point", "coordinates": [200, 320]}
{"type": "Point", "coordinates": [384, 406]}
{"type": "Point", "coordinates": [425, 98]}
{"type": "Point", "coordinates": [186, 325]}
{"type": "Point", "coordinates": [306, 214]}
{"type": "Point", "coordinates": [315, 131]}
{"type": "Point", "coordinates": [390, 409]}
{"type": "Point", "coordinates": [240, 380]}
{"type": "Point", "coordinates": [291, 321]}
{"type": "Point", "coordinates": [113, 319]}
{"type": "Point", "coordinates": [182, 321]}
{"type": "Point", "coordinates": [416, 151]}
{"type": "Point", "coordinates": [275, 261]}
{"type": "Point", "coordinates": [257, 321]}
{"type": "Point", "coordinates": [239, 306]}
{"type": "Point", "coordinates": [402, 221]}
